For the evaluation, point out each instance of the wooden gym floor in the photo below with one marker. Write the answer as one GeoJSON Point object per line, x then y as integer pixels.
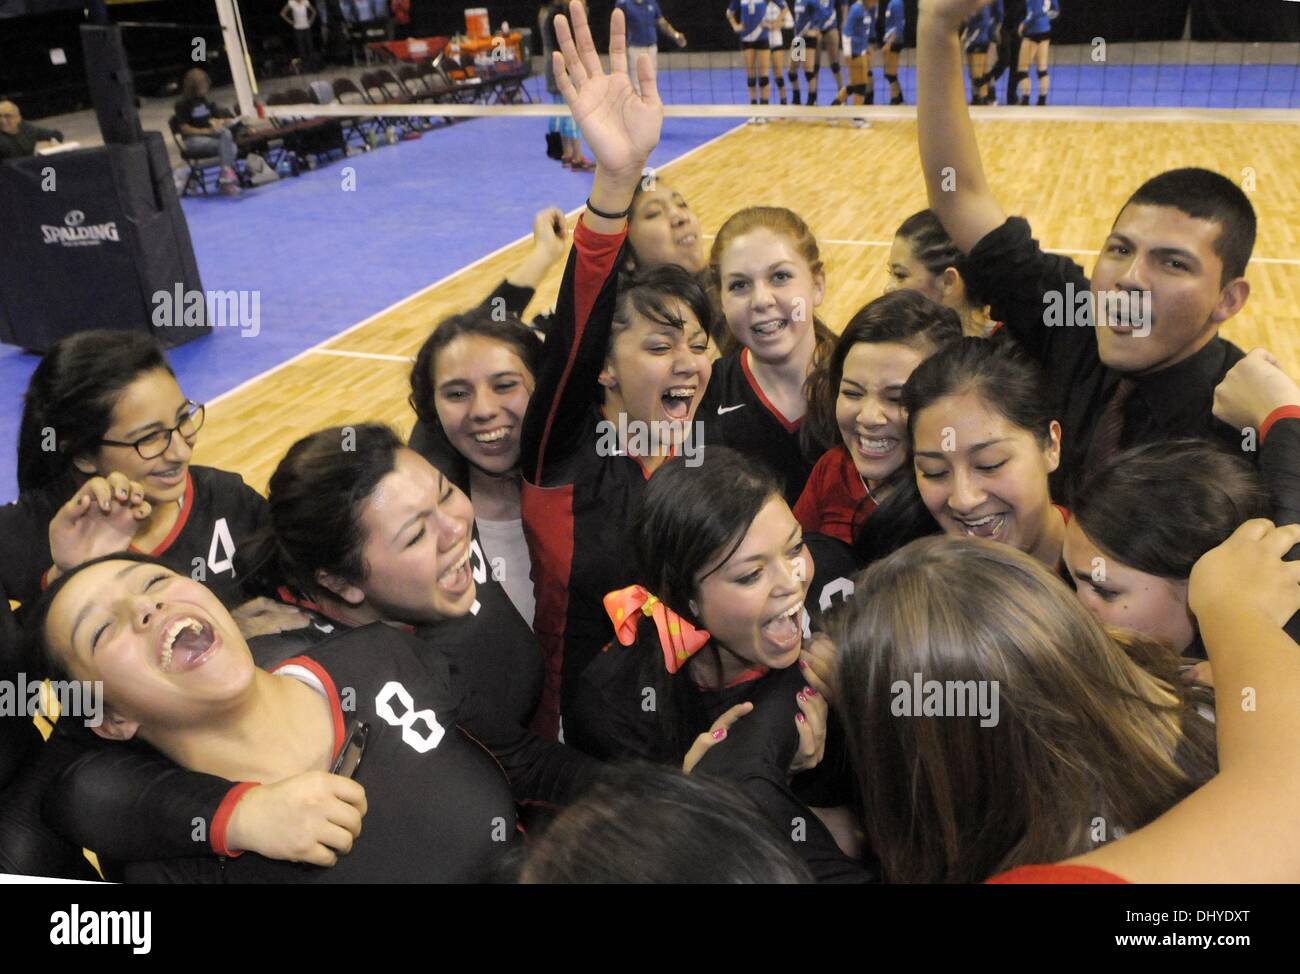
{"type": "Point", "coordinates": [853, 186]}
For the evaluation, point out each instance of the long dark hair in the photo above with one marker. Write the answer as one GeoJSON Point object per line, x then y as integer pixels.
{"type": "Point", "coordinates": [72, 394]}
{"type": "Point", "coordinates": [649, 824]}
{"type": "Point", "coordinates": [647, 292]}
{"type": "Point", "coordinates": [430, 439]}
{"type": "Point", "coordinates": [906, 317]}
{"type": "Point", "coordinates": [1092, 731]}
{"type": "Point", "coordinates": [999, 373]}
{"type": "Point", "coordinates": [691, 518]}
{"type": "Point", "coordinates": [910, 318]}
{"type": "Point", "coordinates": [1004, 377]}
{"type": "Point", "coordinates": [1159, 507]}
{"type": "Point", "coordinates": [315, 500]}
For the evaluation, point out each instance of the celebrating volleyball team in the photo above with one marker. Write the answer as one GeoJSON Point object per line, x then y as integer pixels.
{"type": "Point", "coordinates": [685, 582]}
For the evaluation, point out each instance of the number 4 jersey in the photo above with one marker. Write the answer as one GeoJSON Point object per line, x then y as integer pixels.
{"type": "Point", "coordinates": [219, 512]}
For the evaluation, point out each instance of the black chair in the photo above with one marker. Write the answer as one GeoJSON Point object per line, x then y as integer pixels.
{"type": "Point", "coordinates": [346, 92]}
{"type": "Point", "coordinates": [323, 92]}
{"type": "Point", "coordinates": [201, 164]}
{"type": "Point", "coordinates": [309, 139]}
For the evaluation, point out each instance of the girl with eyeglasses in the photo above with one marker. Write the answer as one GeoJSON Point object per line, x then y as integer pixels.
{"type": "Point", "coordinates": [104, 465]}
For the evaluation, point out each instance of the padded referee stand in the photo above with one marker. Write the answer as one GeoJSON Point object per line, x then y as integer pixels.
{"type": "Point", "coordinates": [91, 235]}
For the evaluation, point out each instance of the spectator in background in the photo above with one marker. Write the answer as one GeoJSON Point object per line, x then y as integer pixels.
{"type": "Point", "coordinates": [644, 23]}
{"type": "Point", "coordinates": [206, 128]}
{"type": "Point", "coordinates": [300, 15]}
{"type": "Point", "coordinates": [19, 138]}
{"type": "Point", "coordinates": [402, 18]}
{"type": "Point", "coordinates": [562, 126]}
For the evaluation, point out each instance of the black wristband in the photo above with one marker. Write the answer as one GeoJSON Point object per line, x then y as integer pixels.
{"type": "Point", "coordinates": [607, 216]}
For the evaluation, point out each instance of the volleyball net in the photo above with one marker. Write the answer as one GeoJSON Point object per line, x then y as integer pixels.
{"type": "Point", "coordinates": [359, 70]}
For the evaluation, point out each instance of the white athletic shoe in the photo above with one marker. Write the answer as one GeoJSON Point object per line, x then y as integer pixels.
{"type": "Point", "coordinates": [861, 123]}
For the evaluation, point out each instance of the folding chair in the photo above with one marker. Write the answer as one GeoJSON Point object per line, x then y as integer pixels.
{"type": "Point", "coordinates": [322, 93]}
{"type": "Point", "coordinates": [200, 164]}
{"type": "Point", "coordinates": [375, 85]}
{"type": "Point", "coordinates": [346, 92]}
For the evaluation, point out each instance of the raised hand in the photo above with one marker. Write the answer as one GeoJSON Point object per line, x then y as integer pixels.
{"type": "Point", "coordinates": [621, 126]}
{"type": "Point", "coordinates": [550, 235]}
{"type": "Point", "coordinates": [100, 519]}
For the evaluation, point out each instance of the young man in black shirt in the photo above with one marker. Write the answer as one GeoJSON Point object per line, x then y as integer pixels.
{"type": "Point", "coordinates": [1169, 275]}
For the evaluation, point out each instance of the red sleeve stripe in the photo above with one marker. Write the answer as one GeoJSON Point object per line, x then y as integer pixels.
{"type": "Point", "coordinates": [1061, 873]}
{"type": "Point", "coordinates": [222, 818]}
{"type": "Point", "coordinates": [596, 253]}
{"type": "Point", "coordinates": [1282, 412]}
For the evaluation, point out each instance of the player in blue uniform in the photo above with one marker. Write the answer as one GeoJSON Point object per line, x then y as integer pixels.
{"type": "Point", "coordinates": [645, 22]}
{"type": "Point", "coordinates": [779, 20]}
{"type": "Point", "coordinates": [999, 53]}
{"type": "Point", "coordinates": [749, 19]}
{"type": "Point", "coordinates": [892, 25]}
{"type": "Point", "coordinates": [815, 29]}
{"type": "Point", "coordinates": [859, 28]}
{"type": "Point", "coordinates": [1036, 33]}
{"type": "Point", "coordinates": [976, 38]}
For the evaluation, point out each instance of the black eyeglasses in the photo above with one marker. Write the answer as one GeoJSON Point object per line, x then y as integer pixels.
{"type": "Point", "coordinates": [157, 443]}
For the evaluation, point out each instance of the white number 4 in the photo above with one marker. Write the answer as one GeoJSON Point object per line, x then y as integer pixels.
{"type": "Point", "coordinates": [221, 554]}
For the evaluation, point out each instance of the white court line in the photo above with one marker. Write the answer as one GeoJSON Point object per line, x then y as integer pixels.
{"type": "Point", "coordinates": [406, 359]}
{"type": "Point", "coordinates": [425, 290]}
{"type": "Point", "coordinates": [1288, 261]}
{"type": "Point", "coordinates": [1000, 113]}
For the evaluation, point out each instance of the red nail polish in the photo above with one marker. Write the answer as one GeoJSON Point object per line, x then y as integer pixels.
{"type": "Point", "coordinates": [800, 718]}
{"type": "Point", "coordinates": [803, 665]}
{"type": "Point", "coordinates": [809, 691]}
{"type": "Point", "coordinates": [720, 733]}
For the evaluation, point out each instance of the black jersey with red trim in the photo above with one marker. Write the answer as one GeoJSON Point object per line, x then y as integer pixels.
{"type": "Point", "coordinates": [219, 512]}
{"type": "Point", "coordinates": [737, 414]}
{"type": "Point", "coordinates": [834, 566]}
{"type": "Point", "coordinates": [616, 713]}
{"type": "Point", "coordinates": [130, 803]}
{"type": "Point", "coordinates": [493, 651]}
{"type": "Point", "coordinates": [575, 501]}
{"type": "Point", "coordinates": [439, 808]}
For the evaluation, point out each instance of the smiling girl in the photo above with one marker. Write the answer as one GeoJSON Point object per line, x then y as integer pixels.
{"type": "Point", "coordinates": [104, 463]}
{"type": "Point", "coordinates": [1141, 523]}
{"type": "Point", "coordinates": [178, 676]}
{"type": "Point", "coordinates": [622, 355]}
{"type": "Point", "coordinates": [767, 268]}
{"type": "Point", "coordinates": [924, 258]}
{"type": "Point", "coordinates": [984, 443]}
{"type": "Point", "coordinates": [857, 398]}
{"type": "Point", "coordinates": [470, 387]}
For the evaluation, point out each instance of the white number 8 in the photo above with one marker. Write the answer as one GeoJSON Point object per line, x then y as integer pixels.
{"type": "Point", "coordinates": [384, 707]}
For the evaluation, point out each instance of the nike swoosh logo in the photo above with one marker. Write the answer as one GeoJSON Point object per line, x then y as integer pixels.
{"type": "Point", "coordinates": [723, 410]}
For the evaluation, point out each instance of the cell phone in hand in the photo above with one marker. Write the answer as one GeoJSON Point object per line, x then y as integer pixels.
{"type": "Point", "coordinates": [354, 745]}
